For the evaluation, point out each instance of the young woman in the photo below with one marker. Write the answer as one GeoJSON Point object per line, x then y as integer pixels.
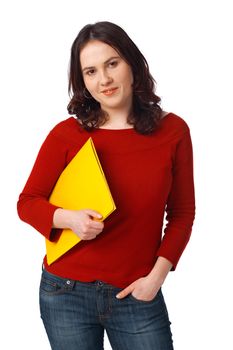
{"type": "Point", "coordinates": [112, 279]}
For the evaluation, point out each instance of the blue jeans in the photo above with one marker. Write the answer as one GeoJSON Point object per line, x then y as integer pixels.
{"type": "Point", "coordinates": [75, 315]}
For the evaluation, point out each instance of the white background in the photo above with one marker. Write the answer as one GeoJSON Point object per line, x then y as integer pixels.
{"type": "Point", "coordinates": [188, 45]}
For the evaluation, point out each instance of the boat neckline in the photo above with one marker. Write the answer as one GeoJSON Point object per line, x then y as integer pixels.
{"type": "Point", "coordinates": [126, 129]}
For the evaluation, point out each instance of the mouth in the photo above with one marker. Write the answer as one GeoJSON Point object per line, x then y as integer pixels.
{"type": "Point", "coordinates": [109, 92]}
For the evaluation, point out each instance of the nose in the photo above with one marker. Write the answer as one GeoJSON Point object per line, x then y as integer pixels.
{"type": "Point", "coordinates": [105, 79]}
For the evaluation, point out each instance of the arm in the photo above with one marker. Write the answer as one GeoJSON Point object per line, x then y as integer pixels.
{"type": "Point", "coordinates": [180, 207]}
{"type": "Point", "coordinates": [180, 211]}
{"type": "Point", "coordinates": [146, 288]}
{"type": "Point", "coordinates": [33, 205]}
{"type": "Point", "coordinates": [159, 272]}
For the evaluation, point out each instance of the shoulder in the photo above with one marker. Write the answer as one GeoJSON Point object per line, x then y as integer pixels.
{"type": "Point", "coordinates": [173, 123]}
{"type": "Point", "coordinates": [65, 124]}
{"type": "Point", "coordinates": [172, 128]}
{"type": "Point", "coordinates": [174, 120]}
{"type": "Point", "coordinates": [67, 129]}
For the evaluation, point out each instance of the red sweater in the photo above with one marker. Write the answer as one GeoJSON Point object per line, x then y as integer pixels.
{"type": "Point", "coordinates": [148, 176]}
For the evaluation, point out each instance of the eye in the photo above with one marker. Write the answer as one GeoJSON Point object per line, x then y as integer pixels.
{"type": "Point", "coordinates": [113, 64]}
{"type": "Point", "coordinates": [90, 72]}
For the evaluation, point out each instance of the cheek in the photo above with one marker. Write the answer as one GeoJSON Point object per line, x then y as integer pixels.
{"type": "Point", "coordinates": [125, 79]}
{"type": "Point", "coordinates": [90, 85]}
{"type": "Point", "coordinates": [131, 80]}
{"type": "Point", "coordinates": [128, 76]}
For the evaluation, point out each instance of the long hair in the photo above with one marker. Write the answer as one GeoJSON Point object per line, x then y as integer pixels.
{"type": "Point", "coordinates": [146, 111]}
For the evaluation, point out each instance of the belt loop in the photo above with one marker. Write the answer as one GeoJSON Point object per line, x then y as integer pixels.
{"type": "Point", "coordinates": [70, 284]}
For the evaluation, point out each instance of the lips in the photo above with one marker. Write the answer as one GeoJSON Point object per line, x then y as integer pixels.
{"type": "Point", "coordinates": [109, 92]}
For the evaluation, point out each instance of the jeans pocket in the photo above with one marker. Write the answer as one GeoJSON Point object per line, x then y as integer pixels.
{"type": "Point", "coordinates": [50, 287]}
{"type": "Point", "coordinates": [54, 285]}
{"type": "Point", "coordinates": [156, 297]}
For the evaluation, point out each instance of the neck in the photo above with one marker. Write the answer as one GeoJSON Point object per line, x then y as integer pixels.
{"type": "Point", "coordinates": [117, 119]}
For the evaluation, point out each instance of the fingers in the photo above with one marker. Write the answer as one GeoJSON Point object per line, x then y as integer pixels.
{"type": "Point", "coordinates": [90, 236]}
{"type": "Point", "coordinates": [93, 213]}
{"type": "Point", "coordinates": [93, 230]}
{"type": "Point", "coordinates": [90, 228]}
{"type": "Point", "coordinates": [94, 225]}
{"type": "Point", "coordinates": [125, 292]}
{"type": "Point", "coordinates": [87, 224]}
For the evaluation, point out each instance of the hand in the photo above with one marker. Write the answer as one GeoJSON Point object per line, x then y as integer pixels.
{"type": "Point", "coordinates": [85, 223]}
{"type": "Point", "coordinates": [142, 289]}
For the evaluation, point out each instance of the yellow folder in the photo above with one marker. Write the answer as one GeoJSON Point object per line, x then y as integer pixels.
{"type": "Point", "coordinates": [81, 185]}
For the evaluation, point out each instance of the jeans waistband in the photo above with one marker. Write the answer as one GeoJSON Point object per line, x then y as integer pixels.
{"type": "Point", "coordinates": [73, 282]}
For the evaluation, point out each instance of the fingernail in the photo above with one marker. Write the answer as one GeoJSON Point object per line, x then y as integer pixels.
{"type": "Point", "coordinates": [118, 296]}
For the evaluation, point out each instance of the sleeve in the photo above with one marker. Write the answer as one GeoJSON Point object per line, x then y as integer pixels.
{"type": "Point", "coordinates": [180, 207]}
{"type": "Point", "coordinates": [33, 206]}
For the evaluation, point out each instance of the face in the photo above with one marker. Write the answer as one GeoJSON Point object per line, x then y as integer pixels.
{"type": "Point", "coordinates": [107, 77]}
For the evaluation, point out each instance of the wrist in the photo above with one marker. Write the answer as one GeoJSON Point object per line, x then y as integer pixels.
{"type": "Point", "coordinates": [155, 278]}
{"type": "Point", "coordinates": [60, 218]}
{"type": "Point", "coordinates": [160, 270]}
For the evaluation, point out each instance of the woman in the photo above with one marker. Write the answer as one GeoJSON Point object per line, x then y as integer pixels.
{"type": "Point", "coordinates": [112, 279]}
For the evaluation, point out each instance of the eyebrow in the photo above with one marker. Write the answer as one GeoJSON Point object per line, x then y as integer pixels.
{"type": "Point", "coordinates": [109, 59]}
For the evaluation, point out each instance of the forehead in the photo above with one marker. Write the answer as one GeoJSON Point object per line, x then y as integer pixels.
{"type": "Point", "coordinates": [96, 52]}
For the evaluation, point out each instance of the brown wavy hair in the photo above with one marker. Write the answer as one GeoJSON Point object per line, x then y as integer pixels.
{"type": "Point", "coordinates": [146, 111]}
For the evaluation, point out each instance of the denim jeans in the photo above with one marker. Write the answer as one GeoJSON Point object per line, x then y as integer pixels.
{"type": "Point", "coordinates": [75, 315]}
